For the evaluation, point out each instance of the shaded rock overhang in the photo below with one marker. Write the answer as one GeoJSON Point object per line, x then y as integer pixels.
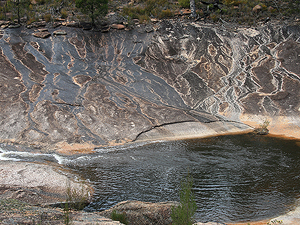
{"type": "Point", "coordinates": [88, 89]}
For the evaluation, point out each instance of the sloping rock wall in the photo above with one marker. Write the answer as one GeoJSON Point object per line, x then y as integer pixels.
{"type": "Point", "coordinates": [248, 75]}
{"type": "Point", "coordinates": [87, 89]}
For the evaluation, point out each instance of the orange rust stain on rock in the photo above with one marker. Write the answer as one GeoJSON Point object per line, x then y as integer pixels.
{"type": "Point", "coordinates": [35, 92]}
{"type": "Point", "coordinates": [70, 65]}
{"type": "Point", "coordinates": [223, 106]}
{"type": "Point", "coordinates": [73, 149]}
{"type": "Point", "coordinates": [262, 222]}
{"type": "Point", "coordinates": [79, 45]}
{"type": "Point", "coordinates": [81, 80]}
{"type": "Point", "coordinates": [212, 50]}
{"type": "Point", "coordinates": [118, 142]}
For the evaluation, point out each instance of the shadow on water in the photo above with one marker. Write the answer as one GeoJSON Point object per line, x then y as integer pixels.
{"type": "Point", "coordinates": [242, 177]}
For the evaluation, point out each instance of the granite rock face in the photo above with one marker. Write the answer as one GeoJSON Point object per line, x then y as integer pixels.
{"type": "Point", "coordinates": [86, 89]}
{"type": "Point", "coordinates": [248, 75]}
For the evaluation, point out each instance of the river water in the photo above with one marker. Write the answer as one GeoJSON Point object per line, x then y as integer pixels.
{"type": "Point", "coordinates": [236, 178]}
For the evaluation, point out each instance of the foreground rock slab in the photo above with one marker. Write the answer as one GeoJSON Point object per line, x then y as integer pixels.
{"type": "Point", "coordinates": [145, 213]}
{"type": "Point", "coordinates": [15, 212]}
{"type": "Point", "coordinates": [42, 34]}
{"type": "Point", "coordinates": [37, 183]}
{"type": "Point", "coordinates": [92, 218]}
{"type": "Point", "coordinates": [27, 190]}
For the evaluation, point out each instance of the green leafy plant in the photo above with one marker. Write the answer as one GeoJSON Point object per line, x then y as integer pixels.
{"type": "Point", "coordinates": [119, 217]}
{"type": "Point", "coordinates": [184, 212]}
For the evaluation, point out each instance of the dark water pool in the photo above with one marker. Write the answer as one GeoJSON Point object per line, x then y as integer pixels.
{"type": "Point", "coordinates": [242, 177]}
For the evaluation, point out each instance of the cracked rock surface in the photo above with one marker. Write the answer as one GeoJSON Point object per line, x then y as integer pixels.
{"type": "Point", "coordinates": [86, 89]}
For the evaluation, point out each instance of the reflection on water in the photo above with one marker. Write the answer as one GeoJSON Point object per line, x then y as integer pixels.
{"type": "Point", "coordinates": [241, 177]}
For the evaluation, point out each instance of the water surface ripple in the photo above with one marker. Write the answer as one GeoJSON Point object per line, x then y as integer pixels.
{"type": "Point", "coordinates": [242, 177]}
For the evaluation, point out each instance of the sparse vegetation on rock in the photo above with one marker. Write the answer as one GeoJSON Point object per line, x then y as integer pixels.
{"type": "Point", "coordinates": [77, 198]}
{"type": "Point", "coordinates": [263, 128]}
{"type": "Point", "coordinates": [235, 11]}
{"type": "Point", "coordinates": [119, 217]}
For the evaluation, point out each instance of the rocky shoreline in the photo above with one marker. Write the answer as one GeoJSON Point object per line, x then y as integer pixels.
{"type": "Point", "coordinates": [29, 193]}
{"type": "Point", "coordinates": [32, 193]}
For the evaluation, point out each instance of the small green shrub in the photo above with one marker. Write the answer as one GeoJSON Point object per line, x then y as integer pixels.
{"type": "Point", "coordinates": [166, 14]}
{"type": "Point", "coordinates": [263, 128]}
{"type": "Point", "coordinates": [2, 16]}
{"type": "Point", "coordinates": [133, 12]}
{"type": "Point", "coordinates": [184, 3]}
{"type": "Point", "coordinates": [67, 218]}
{"type": "Point", "coordinates": [147, 8]}
{"type": "Point", "coordinates": [265, 124]}
{"type": "Point", "coordinates": [31, 18]}
{"type": "Point", "coordinates": [143, 18]}
{"type": "Point", "coordinates": [119, 217]}
{"type": "Point", "coordinates": [264, 7]}
{"type": "Point", "coordinates": [234, 2]}
{"type": "Point", "coordinates": [183, 213]}
{"type": "Point", "coordinates": [214, 16]}
{"type": "Point", "coordinates": [47, 17]}
{"type": "Point", "coordinates": [64, 14]}
{"type": "Point", "coordinates": [77, 199]}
